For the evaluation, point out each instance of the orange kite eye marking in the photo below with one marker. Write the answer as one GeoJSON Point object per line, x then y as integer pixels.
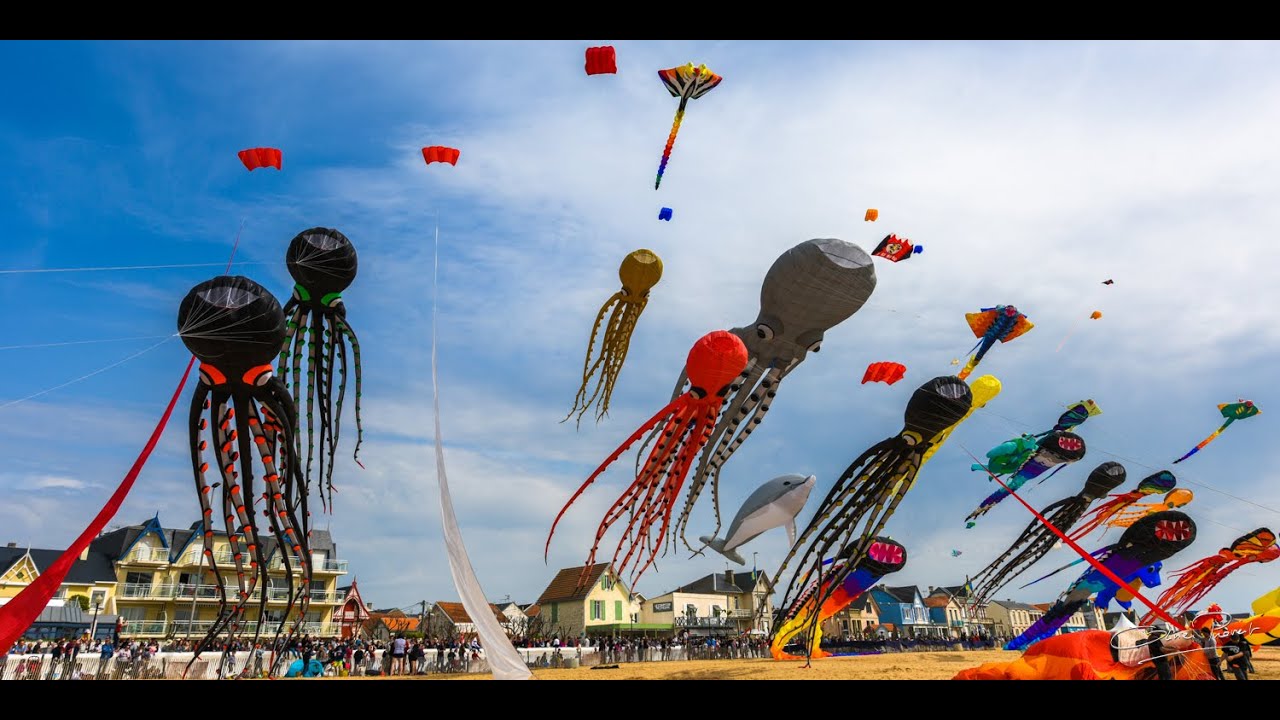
{"type": "Point", "coordinates": [204, 445]}
{"type": "Point", "coordinates": [235, 489]}
{"type": "Point", "coordinates": [206, 489]}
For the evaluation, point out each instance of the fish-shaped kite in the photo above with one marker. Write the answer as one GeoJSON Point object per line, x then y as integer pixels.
{"type": "Point", "coordinates": [687, 83]}
{"type": "Point", "coordinates": [1002, 322]}
{"type": "Point", "coordinates": [1232, 412]}
{"type": "Point", "coordinates": [773, 504]}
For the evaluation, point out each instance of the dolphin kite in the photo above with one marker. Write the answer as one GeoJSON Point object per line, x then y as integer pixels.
{"type": "Point", "coordinates": [773, 504]}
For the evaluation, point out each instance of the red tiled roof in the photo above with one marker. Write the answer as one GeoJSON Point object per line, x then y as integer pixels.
{"type": "Point", "coordinates": [532, 610]}
{"type": "Point", "coordinates": [564, 586]}
{"type": "Point", "coordinates": [1042, 607]}
{"type": "Point", "coordinates": [457, 614]}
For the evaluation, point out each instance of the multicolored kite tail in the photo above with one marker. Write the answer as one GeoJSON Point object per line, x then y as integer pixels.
{"type": "Point", "coordinates": [1232, 412]}
{"type": "Point", "coordinates": [687, 83]}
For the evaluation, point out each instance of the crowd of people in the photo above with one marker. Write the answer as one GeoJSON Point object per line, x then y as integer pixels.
{"type": "Point", "coordinates": [401, 655]}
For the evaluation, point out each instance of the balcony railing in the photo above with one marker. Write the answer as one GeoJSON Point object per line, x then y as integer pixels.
{"type": "Point", "coordinates": [188, 591]}
{"type": "Point", "coordinates": [146, 555]}
{"type": "Point", "coordinates": [687, 622]}
{"type": "Point", "coordinates": [740, 614]}
{"type": "Point", "coordinates": [199, 627]}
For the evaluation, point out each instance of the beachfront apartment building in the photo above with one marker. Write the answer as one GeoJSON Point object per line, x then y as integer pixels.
{"type": "Point", "coordinates": [727, 603]}
{"type": "Point", "coordinates": [904, 608]}
{"type": "Point", "coordinates": [594, 602]}
{"type": "Point", "coordinates": [159, 583]}
{"type": "Point", "coordinates": [1012, 617]}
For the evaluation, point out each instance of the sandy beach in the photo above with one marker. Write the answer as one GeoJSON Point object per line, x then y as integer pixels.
{"type": "Point", "coordinates": [896, 666]}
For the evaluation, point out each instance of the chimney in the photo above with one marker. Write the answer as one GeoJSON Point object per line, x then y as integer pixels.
{"type": "Point", "coordinates": [728, 577]}
{"type": "Point", "coordinates": [12, 544]}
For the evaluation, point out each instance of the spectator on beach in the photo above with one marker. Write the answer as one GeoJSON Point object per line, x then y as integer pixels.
{"type": "Point", "coordinates": [1235, 659]}
{"type": "Point", "coordinates": [397, 655]}
{"type": "Point", "coordinates": [1210, 649]}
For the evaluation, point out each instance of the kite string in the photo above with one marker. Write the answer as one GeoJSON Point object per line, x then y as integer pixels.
{"type": "Point", "coordinates": [230, 260]}
{"type": "Point", "coordinates": [1079, 550]}
{"type": "Point", "coordinates": [81, 342]}
{"type": "Point", "coordinates": [88, 375]}
{"type": "Point", "coordinates": [29, 271]}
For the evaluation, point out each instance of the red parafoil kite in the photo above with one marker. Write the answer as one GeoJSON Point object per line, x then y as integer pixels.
{"type": "Point", "coordinates": [885, 372]}
{"type": "Point", "coordinates": [602, 60]}
{"type": "Point", "coordinates": [255, 158]}
{"type": "Point", "coordinates": [440, 153]}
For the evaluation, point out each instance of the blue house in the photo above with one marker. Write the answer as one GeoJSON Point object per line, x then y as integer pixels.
{"type": "Point", "coordinates": [903, 607]}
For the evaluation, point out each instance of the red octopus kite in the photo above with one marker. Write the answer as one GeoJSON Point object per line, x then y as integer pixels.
{"type": "Point", "coordinates": [255, 158]}
{"type": "Point", "coordinates": [602, 60]}
{"type": "Point", "coordinates": [885, 372]}
{"type": "Point", "coordinates": [440, 153]}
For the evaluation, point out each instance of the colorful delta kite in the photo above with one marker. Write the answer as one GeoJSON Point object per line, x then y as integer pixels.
{"type": "Point", "coordinates": [1155, 484]}
{"type": "Point", "coordinates": [984, 389]}
{"type": "Point", "coordinates": [1054, 450]}
{"type": "Point", "coordinates": [640, 271]}
{"type": "Point", "coordinates": [687, 83]}
{"type": "Point", "coordinates": [1002, 323]}
{"type": "Point", "coordinates": [885, 372]}
{"type": "Point", "coordinates": [602, 60]}
{"type": "Point", "coordinates": [440, 154]}
{"type": "Point", "coordinates": [714, 362]}
{"type": "Point", "coordinates": [322, 262]}
{"type": "Point", "coordinates": [1199, 578]}
{"type": "Point", "coordinates": [235, 328]}
{"type": "Point", "coordinates": [262, 157]}
{"type": "Point", "coordinates": [1135, 559]}
{"type": "Point", "coordinates": [872, 486]}
{"type": "Point", "coordinates": [872, 215]}
{"type": "Point", "coordinates": [1172, 501]}
{"type": "Point", "coordinates": [895, 249]}
{"type": "Point", "coordinates": [808, 290]}
{"type": "Point", "coordinates": [800, 623]}
{"type": "Point", "coordinates": [664, 214]}
{"type": "Point", "coordinates": [1037, 539]}
{"type": "Point", "coordinates": [1232, 412]}
{"type": "Point", "coordinates": [773, 504]}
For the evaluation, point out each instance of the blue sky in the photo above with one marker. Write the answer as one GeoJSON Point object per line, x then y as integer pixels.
{"type": "Point", "coordinates": [1029, 171]}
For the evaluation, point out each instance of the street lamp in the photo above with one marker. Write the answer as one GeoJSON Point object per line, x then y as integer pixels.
{"type": "Point", "coordinates": [97, 605]}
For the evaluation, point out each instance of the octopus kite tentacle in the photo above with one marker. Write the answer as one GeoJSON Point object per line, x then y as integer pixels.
{"type": "Point", "coordinates": [687, 421]}
{"type": "Point", "coordinates": [354, 341]}
{"type": "Point", "coordinates": [1156, 483]}
{"type": "Point", "coordinates": [639, 272]}
{"type": "Point", "coordinates": [1037, 540]}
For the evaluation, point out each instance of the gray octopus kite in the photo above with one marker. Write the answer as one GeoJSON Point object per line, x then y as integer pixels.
{"type": "Point", "coordinates": [810, 289]}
